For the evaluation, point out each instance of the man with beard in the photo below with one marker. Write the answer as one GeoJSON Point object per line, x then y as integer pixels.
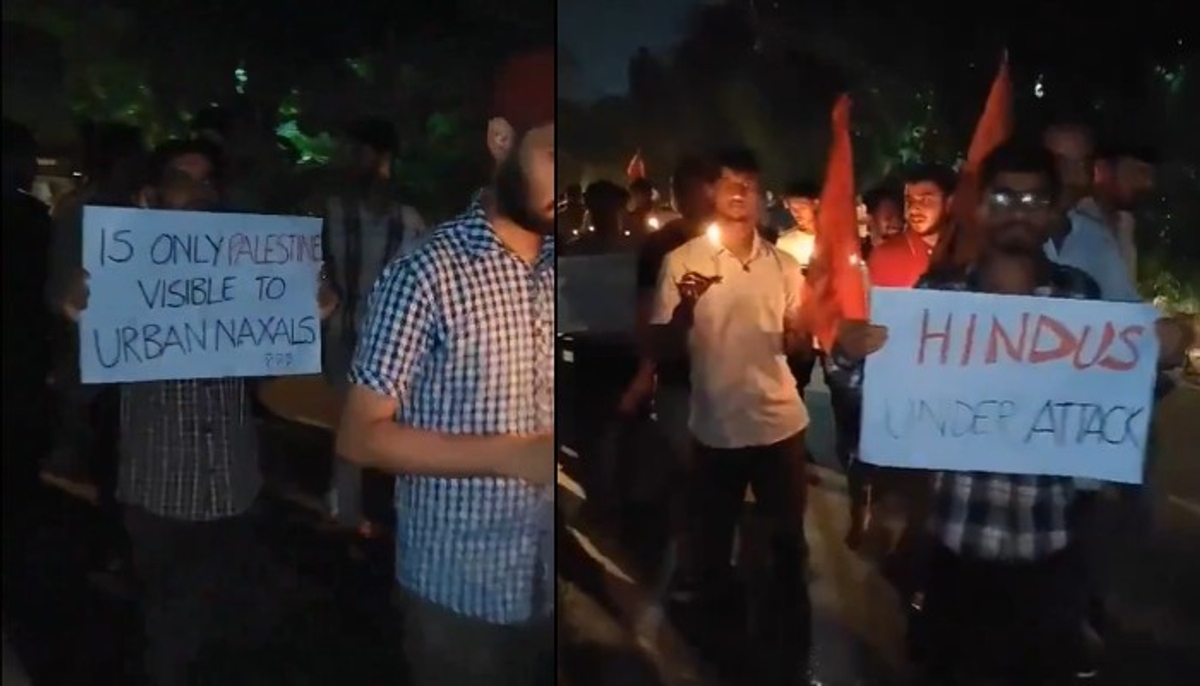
{"type": "Point", "coordinates": [365, 227]}
{"type": "Point", "coordinates": [1003, 595]}
{"type": "Point", "coordinates": [801, 201]}
{"type": "Point", "coordinates": [901, 260]}
{"type": "Point", "coordinates": [188, 473]}
{"type": "Point", "coordinates": [730, 301]}
{"type": "Point", "coordinates": [452, 390]}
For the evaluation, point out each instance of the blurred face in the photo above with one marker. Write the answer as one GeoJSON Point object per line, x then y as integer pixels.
{"type": "Point", "coordinates": [525, 182]}
{"type": "Point", "coordinates": [736, 196]}
{"type": "Point", "coordinates": [925, 207]}
{"type": "Point", "coordinates": [803, 211]}
{"type": "Point", "coordinates": [1073, 150]}
{"type": "Point", "coordinates": [887, 220]}
{"type": "Point", "coordinates": [187, 184]}
{"type": "Point", "coordinates": [1017, 213]}
{"type": "Point", "coordinates": [1130, 182]}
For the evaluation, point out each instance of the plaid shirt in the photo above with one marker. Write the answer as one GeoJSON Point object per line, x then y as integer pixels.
{"type": "Point", "coordinates": [996, 516]}
{"type": "Point", "coordinates": [189, 449]}
{"type": "Point", "coordinates": [461, 333]}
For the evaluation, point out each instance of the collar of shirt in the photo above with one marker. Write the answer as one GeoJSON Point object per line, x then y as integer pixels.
{"type": "Point", "coordinates": [759, 249]}
{"type": "Point", "coordinates": [481, 240]}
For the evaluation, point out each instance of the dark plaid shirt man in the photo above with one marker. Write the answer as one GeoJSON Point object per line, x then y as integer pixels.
{"type": "Point", "coordinates": [189, 449]}
{"type": "Point", "coordinates": [1009, 517]}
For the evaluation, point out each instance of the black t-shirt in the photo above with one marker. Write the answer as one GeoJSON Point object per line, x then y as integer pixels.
{"type": "Point", "coordinates": [655, 248]}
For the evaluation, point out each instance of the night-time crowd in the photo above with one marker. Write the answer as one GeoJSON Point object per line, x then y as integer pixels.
{"type": "Point", "coordinates": [440, 343]}
{"type": "Point", "coordinates": [998, 574]}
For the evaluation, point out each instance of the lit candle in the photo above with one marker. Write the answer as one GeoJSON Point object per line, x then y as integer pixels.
{"type": "Point", "coordinates": [652, 223]}
{"type": "Point", "coordinates": [713, 232]}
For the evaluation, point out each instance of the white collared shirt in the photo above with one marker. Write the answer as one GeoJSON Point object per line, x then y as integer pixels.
{"type": "Point", "coordinates": [743, 393]}
{"type": "Point", "coordinates": [1121, 228]}
{"type": "Point", "coordinates": [1092, 248]}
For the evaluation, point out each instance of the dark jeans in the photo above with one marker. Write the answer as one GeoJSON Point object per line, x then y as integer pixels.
{"type": "Point", "coordinates": [801, 365]}
{"type": "Point", "coordinates": [201, 587]}
{"type": "Point", "coordinates": [1017, 621]}
{"type": "Point", "coordinates": [777, 473]}
{"type": "Point", "coordinates": [847, 421]}
{"type": "Point", "coordinates": [444, 648]}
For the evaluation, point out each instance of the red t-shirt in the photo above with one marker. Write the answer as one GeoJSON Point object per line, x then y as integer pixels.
{"type": "Point", "coordinates": [899, 261]}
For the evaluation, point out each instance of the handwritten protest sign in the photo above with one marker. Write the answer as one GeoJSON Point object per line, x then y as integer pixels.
{"type": "Point", "coordinates": [975, 382]}
{"type": "Point", "coordinates": [194, 295]}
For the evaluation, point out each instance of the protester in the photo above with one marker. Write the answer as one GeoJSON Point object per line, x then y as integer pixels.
{"type": "Point", "coordinates": [87, 428]}
{"type": "Point", "coordinates": [901, 260]}
{"type": "Point", "coordinates": [188, 475]}
{"type": "Point", "coordinates": [885, 216]}
{"type": "Point", "coordinates": [367, 225]}
{"type": "Point", "coordinates": [731, 301]}
{"type": "Point", "coordinates": [453, 391]}
{"type": "Point", "coordinates": [26, 356]}
{"type": "Point", "coordinates": [1002, 586]}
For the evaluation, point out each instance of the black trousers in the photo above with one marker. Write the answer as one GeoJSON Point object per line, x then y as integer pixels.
{"type": "Point", "coordinates": [201, 587]}
{"type": "Point", "coordinates": [997, 620]}
{"type": "Point", "coordinates": [444, 648]}
{"type": "Point", "coordinates": [777, 473]}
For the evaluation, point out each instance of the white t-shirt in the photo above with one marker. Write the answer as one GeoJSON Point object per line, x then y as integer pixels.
{"type": "Point", "coordinates": [743, 393]}
{"type": "Point", "coordinates": [799, 244]}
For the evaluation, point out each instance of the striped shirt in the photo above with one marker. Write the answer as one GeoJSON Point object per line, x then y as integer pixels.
{"type": "Point", "coordinates": [461, 333]}
{"type": "Point", "coordinates": [189, 449]}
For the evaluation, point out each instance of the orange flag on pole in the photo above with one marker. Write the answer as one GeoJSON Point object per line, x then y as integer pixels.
{"type": "Point", "coordinates": [994, 127]}
{"type": "Point", "coordinates": [835, 289]}
{"type": "Point", "coordinates": [636, 169]}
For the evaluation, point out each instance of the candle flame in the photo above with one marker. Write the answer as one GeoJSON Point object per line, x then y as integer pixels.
{"type": "Point", "coordinates": [713, 232]}
{"type": "Point", "coordinates": [652, 223]}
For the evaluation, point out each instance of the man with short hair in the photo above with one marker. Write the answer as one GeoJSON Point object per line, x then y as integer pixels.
{"type": "Point", "coordinates": [691, 193]}
{"type": "Point", "coordinates": [189, 474]}
{"type": "Point", "coordinates": [731, 302]}
{"type": "Point", "coordinates": [1003, 597]}
{"type": "Point", "coordinates": [801, 199]}
{"type": "Point", "coordinates": [901, 260]}
{"type": "Point", "coordinates": [1124, 178]}
{"type": "Point", "coordinates": [366, 226]}
{"type": "Point", "coordinates": [452, 390]}
{"type": "Point", "coordinates": [885, 216]}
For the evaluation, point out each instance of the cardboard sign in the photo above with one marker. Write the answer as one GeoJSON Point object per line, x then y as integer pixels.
{"type": "Point", "coordinates": [196, 295]}
{"type": "Point", "coordinates": [1018, 385]}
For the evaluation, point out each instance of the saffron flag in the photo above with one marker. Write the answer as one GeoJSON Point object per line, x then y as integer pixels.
{"type": "Point", "coordinates": [636, 169]}
{"type": "Point", "coordinates": [834, 288]}
{"type": "Point", "coordinates": [995, 126]}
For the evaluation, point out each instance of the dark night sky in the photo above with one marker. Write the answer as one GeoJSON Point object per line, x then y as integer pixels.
{"type": "Point", "coordinates": [1072, 37]}
{"type": "Point", "coordinates": [601, 35]}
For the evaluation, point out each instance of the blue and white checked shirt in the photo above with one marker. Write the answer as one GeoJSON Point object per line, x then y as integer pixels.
{"type": "Point", "coordinates": [461, 333]}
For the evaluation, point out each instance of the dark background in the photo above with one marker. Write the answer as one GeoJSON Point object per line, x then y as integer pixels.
{"type": "Point", "coordinates": [765, 73]}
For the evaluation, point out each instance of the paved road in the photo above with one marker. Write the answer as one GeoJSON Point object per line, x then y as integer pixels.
{"type": "Point", "coordinates": [1152, 573]}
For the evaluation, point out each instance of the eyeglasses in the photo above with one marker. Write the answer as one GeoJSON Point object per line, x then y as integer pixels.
{"type": "Point", "coordinates": [1005, 199]}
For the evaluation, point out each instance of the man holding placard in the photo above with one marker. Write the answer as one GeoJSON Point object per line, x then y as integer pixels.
{"type": "Point", "coordinates": [1003, 590]}
{"type": "Point", "coordinates": [181, 349]}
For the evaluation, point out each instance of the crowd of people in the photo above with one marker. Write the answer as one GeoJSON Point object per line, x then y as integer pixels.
{"type": "Point", "coordinates": [450, 384]}
{"type": "Point", "coordinates": [1000, 576]}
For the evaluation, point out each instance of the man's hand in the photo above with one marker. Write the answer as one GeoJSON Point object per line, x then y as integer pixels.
{"type": "Point", "coordinates": [533, 460]}
{"type": "Point", "coordinates": [1175, 336]}
{"type": "Point", "coordinates": [76, 300]}
{"type": "Point", "coordinates": [857, 338]}
{"type": "Point", "coordinates": [693, 285]}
